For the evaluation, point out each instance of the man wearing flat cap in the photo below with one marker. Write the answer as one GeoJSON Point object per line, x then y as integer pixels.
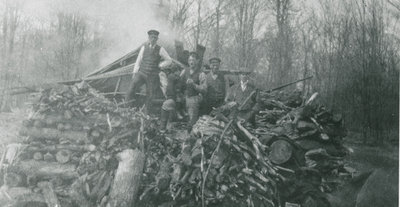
{"type": "Point", "coordinates": [150, 60]}
{"type": "Point", "coordinates": [216, 87]}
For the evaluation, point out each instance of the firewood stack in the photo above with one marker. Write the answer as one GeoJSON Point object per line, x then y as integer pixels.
{"type": "Point", "coordinates": [83, 150]}
{"type": "Point", "coordinates": [294, 154]}
{"type": "Point", "coordinates": [307, 138]}
{"type": "Point", "coordinates": [210, 171]}
{"type": "Point", "coordinates": [76, 142]}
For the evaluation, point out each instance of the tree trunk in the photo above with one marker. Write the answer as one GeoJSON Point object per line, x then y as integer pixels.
{"type": "Point", "coordinates": [127, 178]}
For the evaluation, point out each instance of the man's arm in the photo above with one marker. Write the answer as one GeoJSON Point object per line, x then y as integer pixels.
{"type": "Point", "coordinates": [226, 88]}
{"type": "Point", "coordinates": [202, 86]}
{"type": "Point", "coordinates": [166, 59]}
{"type": "Point", "coordinates": [138, 60]}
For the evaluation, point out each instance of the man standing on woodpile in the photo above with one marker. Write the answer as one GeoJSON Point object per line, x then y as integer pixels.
{"type": "Point", "coordinates": [147, 68]}
{"type": "Point", "coordinates": [238, 98]}
{"type": "Point", "coordinates": [194, 84]}
{"type": "Point", "coordinates": [216, 87]}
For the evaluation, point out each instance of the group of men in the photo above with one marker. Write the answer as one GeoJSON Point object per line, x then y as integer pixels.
{"type": "Point", "coordinates": [191, 89]}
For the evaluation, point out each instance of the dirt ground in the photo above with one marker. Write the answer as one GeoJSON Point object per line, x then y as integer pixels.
{"type": "Point", "coordinates": [364, 158]}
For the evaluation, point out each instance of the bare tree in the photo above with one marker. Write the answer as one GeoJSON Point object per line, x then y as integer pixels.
{"type": "Point", "coordinates": [11, 21]}
{"type": "Point", "coordinates": [245, 15]}
{"type": "Point", "coordinates": [282, 44]}
{"type": "Point", "coordinates": [180, 15]}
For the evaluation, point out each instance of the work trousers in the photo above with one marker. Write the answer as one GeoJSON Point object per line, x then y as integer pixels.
{"type": "Point", "coordinates": [209, 103]}
{"type": "Point", "coordinates": [140, 78]}
{"type": "Point", "coordinates": [167, 112]}
{"type": "Point", "coordinates": [192, 107]}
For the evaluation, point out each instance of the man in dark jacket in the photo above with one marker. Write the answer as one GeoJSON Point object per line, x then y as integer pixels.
{"type": "Point", "coordinates": [147, 68]}
{"type": "Point", "coordinates": [216, 87]}
{"type": "Point", "coordinates": [193, 82]}
{"type": "Point", "coordinates": [237, 97]}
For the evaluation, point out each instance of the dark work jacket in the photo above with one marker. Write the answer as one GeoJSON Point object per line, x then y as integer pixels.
{"type": "Point", "coordinates": [237, 95]}
{"type": "Point", "coordinates": [151, 59]}
{"type": "Point", "coordinates": [190, 89]}
{"type": "Point", "coordinates": [215, 88]}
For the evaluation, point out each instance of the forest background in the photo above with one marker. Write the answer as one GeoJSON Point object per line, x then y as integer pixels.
{"type": "Point", "coordinates": [351, 47]}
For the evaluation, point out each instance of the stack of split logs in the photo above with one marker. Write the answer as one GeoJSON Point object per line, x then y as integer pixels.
{"type": "Point", "coordinates": [83, 150]}
{"type": "Point", "coordinates": [292, 156]}
{"type": "Point", "coordinates": [80, 150]}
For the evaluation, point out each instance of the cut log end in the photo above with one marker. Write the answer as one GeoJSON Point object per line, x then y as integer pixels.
{"type": "Point", "coordinates": [63, 156]}
{"type": "Point", "coordinates": [281, 152]}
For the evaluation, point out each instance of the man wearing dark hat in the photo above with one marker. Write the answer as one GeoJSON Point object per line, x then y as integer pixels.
{"type": "Point", "coordinates": [147, 68]}
{"type": "Point", "coordinates": [216, 87]}
{"type": "Point", "coordinates": [193, 82]}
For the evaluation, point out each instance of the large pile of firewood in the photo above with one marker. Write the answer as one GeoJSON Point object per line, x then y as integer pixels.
{"type": "Point", "coordinates": [78, 148]}
{"type": "Point", "coordinates": [84, 150]}
{"type": "Point", "coordinates": [293, 155]}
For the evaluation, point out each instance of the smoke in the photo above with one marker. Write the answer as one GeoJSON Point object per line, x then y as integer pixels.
{"type": "Point", "coordinates": [123, 22]}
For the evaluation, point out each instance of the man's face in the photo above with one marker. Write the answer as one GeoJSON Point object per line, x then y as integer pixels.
{"type": "Point", "coordinates": [244, 77]}
{"type": "Point", "coordinates": [193, 62]}
{"type": "Point", "coordinates": [214, 66]}
{"type": "Point", "coordinates": [153, 39]}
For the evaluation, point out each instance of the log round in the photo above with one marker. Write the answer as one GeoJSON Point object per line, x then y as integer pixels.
{"type": "Point", "coordinates": [127, 178]}
{"type": "Point", "coordinates": [38, 156]}
{"type": "Point", "coordinates": [13, 179]}
{"type": "Point", "coordinates": [63, 156]}
{"type": "Point", "coordinates": [281, 151]}
{"type": "Point", "coordinates": [48, 157]}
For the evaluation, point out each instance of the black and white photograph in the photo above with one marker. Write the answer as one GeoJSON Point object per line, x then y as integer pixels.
{"type": "Point", "coordinates": [199, 103]}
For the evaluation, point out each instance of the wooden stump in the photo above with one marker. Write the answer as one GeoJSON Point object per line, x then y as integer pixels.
{"type": "Point", "coordinates": [127, 178]}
